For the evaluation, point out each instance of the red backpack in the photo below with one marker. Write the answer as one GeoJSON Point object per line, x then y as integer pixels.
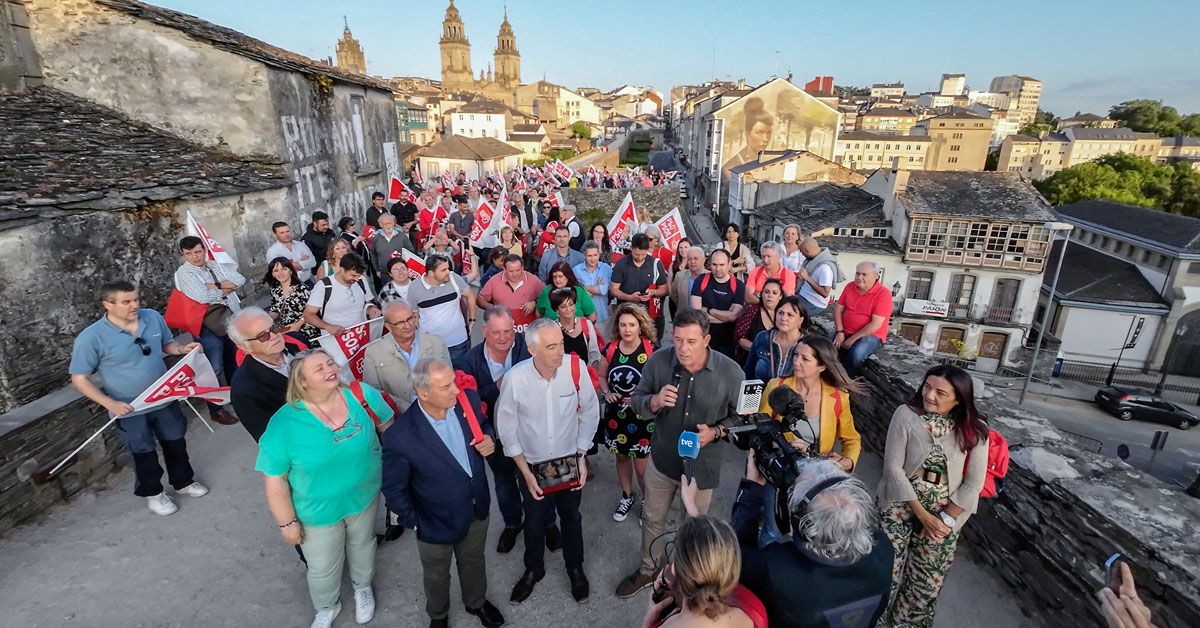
{"type": "Point", "coordinates": [704, 283]}
{"type": "Point", "coordinates": [997, 464]}
{"type": "Point", "coordinates": [611, 350]}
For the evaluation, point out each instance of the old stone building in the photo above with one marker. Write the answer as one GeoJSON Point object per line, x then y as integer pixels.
{"type": "Point", "coordinates": [499, 81]}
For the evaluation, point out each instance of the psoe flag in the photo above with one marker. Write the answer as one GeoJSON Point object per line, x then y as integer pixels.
{"type": "Point", "coordinates": [192, 376]}
{"type": "Point", "coordinates": [622, 222]}
{"type": "Point", "coordinates": [216, 252]}
{"type": "Point", "coordinates": [350, 347]}
{"type": "Point", "coordinates": [671, 228]}
{"type": "Point", "coordinates": [414, 263]}
{"type": "Point", "coordinates": [397, 192]}
{"type": "Point", "coordinates": [485, 223]}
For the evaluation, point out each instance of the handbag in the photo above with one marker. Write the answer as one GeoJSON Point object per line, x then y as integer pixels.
{"type": "Point", "coordinates": [183, 313]}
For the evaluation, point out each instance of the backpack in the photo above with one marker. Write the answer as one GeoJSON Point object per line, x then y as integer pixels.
{"type": "Point", "coordinates": [704, 283]}
{"type": "Point", "coordinates": [612, 349]}
{"type": "Point", "coordinates": [327, 287]}
{"type": "Point", "coordinates": [357, 391]}
{"type": "Point", "coordinates": [997, 464]}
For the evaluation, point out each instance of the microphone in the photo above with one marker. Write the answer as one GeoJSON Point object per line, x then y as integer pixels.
{"type": "Point", "coordinates": [786, 402]}
{"type": "Point", "coordinates": [689, 450]}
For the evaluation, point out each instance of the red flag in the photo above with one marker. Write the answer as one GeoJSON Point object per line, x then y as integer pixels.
{"type": "Point", "coordinates": [415, 264]}
{"type": "Point", "coordinates": [622, 222]}
{"type": "Point", "coordinates": [671, 228]}
{"type": "Point", "coordinates": [349, 348]}
{"type": "Point", "coordinates": [483, 224]}
{"type": "Point", "coordinates": [397, 191]}
{"type": "Point", "coordinates": [417, 178]}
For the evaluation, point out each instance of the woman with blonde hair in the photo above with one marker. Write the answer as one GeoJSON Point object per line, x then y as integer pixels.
{"type": "Point", "coordinates": [337, 251]}
{"type": "Point", "coordinates": [793, 259]}
{"type": "Point", "coordinates": [322, 466]}
{"type": "Point", "coordinates": [508, 240]}
{"type": "Point", "coordinates": [700, 578]}
{"type": "Point", "coordinates": [626, 433]}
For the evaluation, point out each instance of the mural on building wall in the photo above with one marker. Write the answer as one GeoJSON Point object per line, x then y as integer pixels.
{"type": "Point", "coordinates": [776, 116]}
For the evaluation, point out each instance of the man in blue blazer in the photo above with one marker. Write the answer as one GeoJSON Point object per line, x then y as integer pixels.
{"type": "Point", "coordinates": [435, 481]}
{"type": "Point", "coordinates": [488, 362]}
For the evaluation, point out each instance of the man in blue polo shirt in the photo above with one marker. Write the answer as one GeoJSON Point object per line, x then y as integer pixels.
{"type": "Point", "coordinates": [126, 348]}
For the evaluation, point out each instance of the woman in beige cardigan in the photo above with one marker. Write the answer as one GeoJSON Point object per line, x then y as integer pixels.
{"type": "Point", "coordinates": [934, 466]}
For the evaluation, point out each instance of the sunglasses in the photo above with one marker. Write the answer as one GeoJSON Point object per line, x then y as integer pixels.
{"type": "Point", "coordinates": [266, 335]}
{"type": "Point", "coordinates": [142, 344]}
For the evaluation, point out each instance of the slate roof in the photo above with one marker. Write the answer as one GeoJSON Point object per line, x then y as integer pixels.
{"type": "Point", "coordinates": [526, 137]}
{"type": "Point", "coordinates": [1172, 231]}
{"type": "Point", "coordinates": [989, 195]}
{"type": "Point", "coordinates": [1122, 133]}
{"type": "Point", "coordinates": [1024, 138]}
{"type": "Point", "coordinates": [526, 128]}
{"type": "Point", "coordinates": [65, 153]}
{"type": "Point", "coordinates": [483, 105]}
{"type": "Point", "coordinates": [1094, 277]}
{"type": "Point", "coordinates": [1085, 117]}
{"type": "Point", "coordinates": [830, 206]}
{"type": "Point", "coordinates": [867, 135]}
{"type": "Point", "coordinates": [238, 43]}
{"type": "Point", "coordinates": [469, 148]}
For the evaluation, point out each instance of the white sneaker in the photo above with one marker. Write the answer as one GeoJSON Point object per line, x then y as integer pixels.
{"type": "Point", "coordinates": [364, 605]}
{"type": "Point", "coordinates": [195, 489]}
{"type": "Point", "coordinates": [161, 504]}
{"type": "Point", "coordinates": [324, 619]}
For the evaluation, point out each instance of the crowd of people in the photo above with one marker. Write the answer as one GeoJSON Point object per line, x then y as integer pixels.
{"type": "Point", "coordinates": [573, 362]}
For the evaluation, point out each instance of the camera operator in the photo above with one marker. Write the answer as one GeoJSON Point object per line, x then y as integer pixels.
{"type": "Point", "coordinates": [687, 386]}
{"type": "Point", "coordinates": [837, 565]}
{"type": "Point", "coordinates": [700, 580]}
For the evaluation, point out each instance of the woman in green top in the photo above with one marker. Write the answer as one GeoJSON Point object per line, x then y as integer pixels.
{"type": "Point", "coordinates": [561, 276]}
{"type": "Point", "coordinates": [322, 463]}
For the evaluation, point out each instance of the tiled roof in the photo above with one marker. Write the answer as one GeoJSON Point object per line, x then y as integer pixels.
{"type": "Point", "coordinates": [526, 128]}
{"type": "Point", "coordinates": [1091, 276]}
{"type": "Point", "coordinates": [238, 43]}
{"type": "Point", "coordinates": [526, 137]}
{"type": "Point", "coordinates": [469, 148]}
{"type": "Point", "coordinates": [65, 153]}
{"type": "Point", "coordinates": [989, 195]}
{"type": "Point", "coordinates": [889, 112]}
{"type": "Point", "coordinates": [867, 135]}
{"type": "Point", "coordinates": [825, 206]}
{"type": "Point", "coordinates": [1172, 230]}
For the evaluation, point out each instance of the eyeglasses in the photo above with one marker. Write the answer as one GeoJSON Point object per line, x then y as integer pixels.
{"type": "Point", "coordinates": [142, 344]}
{"type": "Point", "coordinates": [346, 431]}
{"type": "Point", "coordinates": [411, 319]}
{"type": "Point", "coordinates": [266, 335]}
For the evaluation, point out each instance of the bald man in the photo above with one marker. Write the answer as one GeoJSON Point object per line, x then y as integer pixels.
{"type": "Point", "coordinates": [390, 361]}
{"type": "Point", "coordinates": [816, 277]}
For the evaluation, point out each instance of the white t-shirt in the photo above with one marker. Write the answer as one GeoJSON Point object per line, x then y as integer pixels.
{"type": "Point", "coordinates": [823, 275]}
{"type": "Point", "coordinates": [347, 304]}
{"type": "Point", "coordinates": [793, 261]}
{"type": "Point", "coordinates": [439, 307]}
{"type": "Point", "coordinates": [299, 253]}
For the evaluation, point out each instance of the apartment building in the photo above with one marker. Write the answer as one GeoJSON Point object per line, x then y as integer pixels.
{"type": "Point", "coordinates": [958, 141]}
{"type": "Point", "coordinates": [1038, 158]}
{"type": "Point", "coordinates": [861, 150]}
{"type": "Point", "coordinates": [1026, 90]}
{"type": "Point", "coordinates": [886, 121]}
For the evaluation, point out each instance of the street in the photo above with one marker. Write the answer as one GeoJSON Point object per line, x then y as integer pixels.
{"type": "Point", "coordinates": [1103, 433]}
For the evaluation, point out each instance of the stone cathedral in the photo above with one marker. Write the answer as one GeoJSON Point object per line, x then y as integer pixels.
{"type": "Point", "coordinates": [502, 76]}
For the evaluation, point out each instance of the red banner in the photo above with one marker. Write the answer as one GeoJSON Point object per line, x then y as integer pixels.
{"type": "Point", "coordinates": [350, 347]}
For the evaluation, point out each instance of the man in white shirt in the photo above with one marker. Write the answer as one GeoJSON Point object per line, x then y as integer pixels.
{"type": "Point", "coordinates": [205, 281]}
{"type": "Point", "coordinates": [547, 410]}
{"type": "Point", "coordinates": [815, 278]}
{"type": "Point", "coordinates": [297, 252]}
{"type": "Point", "coordinates": [343, 300]}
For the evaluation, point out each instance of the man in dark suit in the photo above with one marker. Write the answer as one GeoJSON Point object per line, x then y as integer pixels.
{"type": "Point", "coordinates": [487, 362]}
{"type": "Point", "coordinates": [435, 481]}
{"type": "Point", "coordinates": [259, 386]}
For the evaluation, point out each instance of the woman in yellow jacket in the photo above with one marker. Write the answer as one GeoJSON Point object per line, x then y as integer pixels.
{"type": "Point", "coordinates": [819, 378]}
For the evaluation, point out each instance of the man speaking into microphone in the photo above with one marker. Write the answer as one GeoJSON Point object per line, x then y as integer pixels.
{"type": "Point", "coordinates": [686, 387]}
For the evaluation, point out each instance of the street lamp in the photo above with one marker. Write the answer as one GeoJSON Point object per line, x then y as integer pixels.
{"type": "Point", "coordinates": [1053, 228]}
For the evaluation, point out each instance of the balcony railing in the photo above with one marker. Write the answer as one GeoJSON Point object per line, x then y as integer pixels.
{"type": "Point", "coordinates": [979, 312]}
{"type": "Point", "coordinates": [998, 315]}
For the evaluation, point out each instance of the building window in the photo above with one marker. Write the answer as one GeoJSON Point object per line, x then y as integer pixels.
{"type": "Point", "coordinates": [920, 282]}
{"type": "Point", "coordinates": [954, 148]}
{"type": "Point", "coordinates": [947, 337]}
{"type": "Point", "coordinates": [952, 160]}
{"type": "Point", "coordinates": [879, 233]}
{"type": "Point", "coordinates": [1194, 268]}
{"type": "Point", "coordinates": [962, 290]}
{"type": "Point", "coordinates": [956, 136]}
{"type": "Point", "coordinates": [937, 234]}
{"type": "Point", "coordinates": [978, 235]}
{"type": "Point", "coordinates": [920, 233]}
{"type": "Point", "coordinates": [1163, 262]}
{"type": "Point", "coordinates": [998, 238]}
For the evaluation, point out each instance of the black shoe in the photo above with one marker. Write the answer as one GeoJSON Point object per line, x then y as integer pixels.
{"type": "Point", "coordinates": [488, 615]}
{"type": "Point", "coordinates": [440, 623]}
{"type": "Point", "coordinates": [508, 540]}
{"type": "Point", "coordinates": [524, 587]}
{"type": "Point", "coordinates": [579, 583]}
{"type": "Point", "coordinates": [553, 539]}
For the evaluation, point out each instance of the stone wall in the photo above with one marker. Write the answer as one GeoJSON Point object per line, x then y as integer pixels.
{"type": "Point", "coordinates": [1063, 510]}
{"type": "Point", "coordinates": [599, 205]}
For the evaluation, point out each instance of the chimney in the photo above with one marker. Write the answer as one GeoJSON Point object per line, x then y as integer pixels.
{"type": "Point", "coordinates": [899, 177]}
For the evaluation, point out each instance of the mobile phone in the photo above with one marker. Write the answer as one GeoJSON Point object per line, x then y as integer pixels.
{"type": "Point", "coordinates": [1112, 571]}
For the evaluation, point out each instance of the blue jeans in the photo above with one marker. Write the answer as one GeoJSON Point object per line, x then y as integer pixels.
{"type": "Point", "coordinates": [812, 311]}
{"type": "Point", "coordinates": [854, 357]}
{"type": "Point", "coordinates": [458, 352]}
{"type": "Point", "coordinates": [165, 425]}
{"type": "Point", "coordinates": [214, 350]}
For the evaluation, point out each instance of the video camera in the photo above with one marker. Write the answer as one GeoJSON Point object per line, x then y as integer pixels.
{"type": "Point", "coordinates": [777, 460]}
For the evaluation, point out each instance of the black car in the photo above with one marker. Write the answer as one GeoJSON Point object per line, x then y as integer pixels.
{"type": "Point", "coordinates": [1131, 403]}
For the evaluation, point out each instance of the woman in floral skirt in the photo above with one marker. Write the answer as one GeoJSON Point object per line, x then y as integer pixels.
{"type": "Point", "coordinates": [626, 434]}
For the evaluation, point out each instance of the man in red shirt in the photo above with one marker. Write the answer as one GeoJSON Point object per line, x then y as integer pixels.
{"type": "Point", "coordinates": [772, 267]}
{"type": "Point", "coordinates": [861, 316]}
{"type": "Point", "coordinates": [514, 288]}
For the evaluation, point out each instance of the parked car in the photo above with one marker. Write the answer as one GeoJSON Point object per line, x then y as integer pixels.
{"type": "Point", "coordinates": [683, 193]}
{"type": "Point", "coordinates": [1130, 403]}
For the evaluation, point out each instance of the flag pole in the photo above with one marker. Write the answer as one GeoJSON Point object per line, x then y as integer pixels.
{"type": "Point", "coordinates": [80, 448]}
{"type": "Point", "coordinates": [188, 401]}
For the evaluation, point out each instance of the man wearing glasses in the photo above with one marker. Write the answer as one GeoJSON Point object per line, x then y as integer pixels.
{"type": "Point", "coordinates": [390, 360]}
{"type": "Point", "coordinates": [259, 386]}
{"type": "Point", "coordinates": [126, 348]}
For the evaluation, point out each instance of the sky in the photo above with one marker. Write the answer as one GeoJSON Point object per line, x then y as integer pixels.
{"type": "Point", "coordinates": [1090, 55]}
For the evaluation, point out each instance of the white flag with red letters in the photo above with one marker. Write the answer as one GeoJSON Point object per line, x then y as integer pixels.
{"type": "Point", "coordinates": [349, 348]}
{"type": "Point", "coordinates": [192, 376]}
{"type": "Point", "coordinates": [671, 228]}
{"type": "Point", "coordinates": [621, 225]}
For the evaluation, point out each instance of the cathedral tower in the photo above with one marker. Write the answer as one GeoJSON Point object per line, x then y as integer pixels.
{"type": "Point", "coordinates": [350, 53]}
{"type": "Point", "coordinates": [456, 52]}
{"type": "Point", "coordinates": [507, 57]}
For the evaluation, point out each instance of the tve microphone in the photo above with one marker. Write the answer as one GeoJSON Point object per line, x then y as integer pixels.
{"type": "Point", "coordinates": [689, 450]}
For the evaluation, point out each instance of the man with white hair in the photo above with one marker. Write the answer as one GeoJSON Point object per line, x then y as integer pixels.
{"type": "Point", "coordinates": [259, 386]}
{"type": "Point", "coordinates": [835, 570]}
{"type": "Point", "coordinates": [389, 242]}
{"type": "Point", "coordinates": [548, 412]}
{"type": "Point", "coordinates": [771, 268]}
{"type": "Point", "coordinates": [860, 318]}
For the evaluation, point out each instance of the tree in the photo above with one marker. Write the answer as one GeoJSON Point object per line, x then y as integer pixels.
{"type": "Point", "coordinates": [1128, 179]}
{"type": "Point", "coordinates": [850, 91]}
{"type": "Point", "coordinates": [581, 130]}
{"type": "Point", "coordinates": [1152, 116]}
{"type": "Point", "coordinates": [1043, 122]}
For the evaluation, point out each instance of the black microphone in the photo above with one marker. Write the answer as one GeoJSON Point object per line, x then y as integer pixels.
{"type": "Point", "coordinates": [785, 402]}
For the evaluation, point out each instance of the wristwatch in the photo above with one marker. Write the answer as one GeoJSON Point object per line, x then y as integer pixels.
{"type": "Point", "coordinates": [947, 519]}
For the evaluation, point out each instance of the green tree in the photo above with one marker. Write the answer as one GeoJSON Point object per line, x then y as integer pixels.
{"type": "Point", "coordinates": [1128, 179]}
{"type": "Point", "coordinates": [850, 91]}
{"type": "Point", "coordinates": [1152, 116]}
{"type": "Point", "coordinates": [581, 130]}
{"type": "Point", "coordinates": [1043, 122]}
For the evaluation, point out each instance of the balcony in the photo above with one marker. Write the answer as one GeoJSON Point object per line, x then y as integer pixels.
{"type": "Point", "coordinates": [977, 313]}
{"type": "Point", "coordinates": [998, 315]}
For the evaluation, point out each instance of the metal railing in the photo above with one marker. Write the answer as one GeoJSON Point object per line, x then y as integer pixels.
{"type": "Point", "coordinates": [1172, 387]}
